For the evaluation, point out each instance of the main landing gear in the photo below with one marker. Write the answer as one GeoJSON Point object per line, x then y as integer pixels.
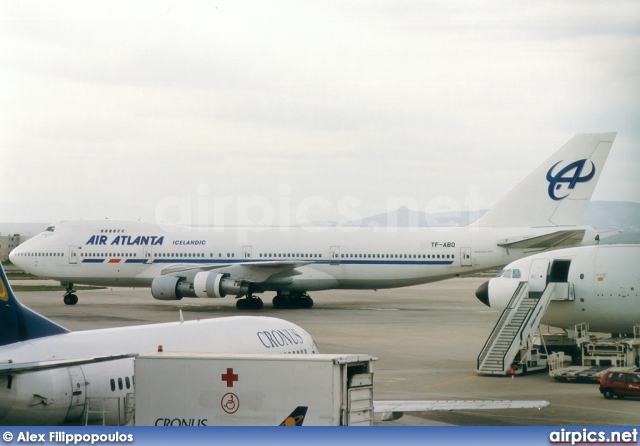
{"type": "Point", "coordinates": [249, 303]}
{"type": "Point", "coordinates": [292, 300]}
{"type": "Point", "coordinates": [69, 297]}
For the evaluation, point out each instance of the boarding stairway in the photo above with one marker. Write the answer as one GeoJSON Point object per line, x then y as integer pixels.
{"type": "Point", "coordinates": [513, 333]}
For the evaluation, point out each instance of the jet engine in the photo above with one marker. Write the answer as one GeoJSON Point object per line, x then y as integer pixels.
{"type": "Point", "coordinates": [205, 284]}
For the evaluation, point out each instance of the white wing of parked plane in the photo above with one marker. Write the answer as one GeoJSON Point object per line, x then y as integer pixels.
{"type": "Point", "coordinates": [13, 368]}
{"type": "Point", "coordinates": [250, 271]}
{"type": "Point", "coordinates": [565, 237]}
{"type": "Point", "coordinates": [392, 410]}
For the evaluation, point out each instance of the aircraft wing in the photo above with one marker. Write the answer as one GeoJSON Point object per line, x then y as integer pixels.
{"type": "Point", "coordinates": [13, 368]}
{"type": "Point", "coordinates": [187, 267]}
{"type": "Point", "coordinates": [392, 410]}
{"type": "Point", "coordinates": [247, 271]}
{"type": "Point", "coordinates": [555, 239]}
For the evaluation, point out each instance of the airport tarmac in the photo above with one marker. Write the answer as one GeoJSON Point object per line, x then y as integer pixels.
{"type": "Point", "coordinates": [426, 339]}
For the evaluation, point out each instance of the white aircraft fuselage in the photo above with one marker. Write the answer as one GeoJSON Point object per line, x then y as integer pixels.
{"type": "Point", "coordinates": [121, 253]}
{"type": "Point", "coordinates": [604, 279]}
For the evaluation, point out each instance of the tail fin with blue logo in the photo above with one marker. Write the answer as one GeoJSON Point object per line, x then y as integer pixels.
{"type": "Point", "coordinates": [556, 193]}
{"type": "Point", "coordinates": [18, 322]}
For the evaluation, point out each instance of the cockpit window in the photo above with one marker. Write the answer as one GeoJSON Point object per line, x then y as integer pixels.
{"type": "Point", "coordinates": [50, 229]}
{"type": "Point", "coordinates": [510, 274]}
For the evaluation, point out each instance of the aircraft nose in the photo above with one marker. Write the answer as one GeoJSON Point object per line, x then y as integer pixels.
{"type": "Point", "coordinates": [482, 293]}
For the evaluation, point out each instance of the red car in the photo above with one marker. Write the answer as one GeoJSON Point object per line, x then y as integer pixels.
{"type": "Point", "coordinates": [620, 383]}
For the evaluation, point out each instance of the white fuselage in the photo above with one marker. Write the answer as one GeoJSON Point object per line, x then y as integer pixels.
{"type": "Point", "coordinates": [58, 395]}
{"type": "Point", "coordinates": [113, 253]}
{"type": "Point", "coordinates": [605, 281]}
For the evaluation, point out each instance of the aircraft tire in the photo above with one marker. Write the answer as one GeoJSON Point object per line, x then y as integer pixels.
{"type": "Point", "coordinates": [278, 302]}
{"type": "Point", "coordinates": [70, 299]}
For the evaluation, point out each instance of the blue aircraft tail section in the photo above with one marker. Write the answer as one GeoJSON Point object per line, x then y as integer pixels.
{"type": "Point", "coordinates": [18, 322]}
{"type": "Point", "coordinates": [296, 418]}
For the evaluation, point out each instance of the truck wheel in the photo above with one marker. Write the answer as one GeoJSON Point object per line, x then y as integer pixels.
{"type": "Point", "coordinates": [608, 393]}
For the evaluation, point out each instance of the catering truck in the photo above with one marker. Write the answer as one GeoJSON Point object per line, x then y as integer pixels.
{"type": "Point", "coordinates": [204, 389]}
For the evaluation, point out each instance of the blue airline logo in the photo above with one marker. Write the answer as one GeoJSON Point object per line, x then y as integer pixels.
{"type": "Point", "coordinates": [563, 176]}
{"type": "Point", "coordinates": [126, 240]}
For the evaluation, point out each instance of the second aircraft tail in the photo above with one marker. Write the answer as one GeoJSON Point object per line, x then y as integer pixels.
{"type": "Point", "coordinates": [556, 193]}
{"type": "Point", "coordinates": [19, 323]}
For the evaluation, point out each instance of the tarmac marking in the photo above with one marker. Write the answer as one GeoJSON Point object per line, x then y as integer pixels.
{"type": "Point", "coordinates": [450, 382]}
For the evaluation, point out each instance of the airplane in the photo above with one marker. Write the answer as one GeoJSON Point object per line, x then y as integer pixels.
{"type": "Point", "coordinates": [542, 212]}
{"type": "Point", "coordinates": [604, 284]}
{"type": "Point", "coordinates": [47, 372]}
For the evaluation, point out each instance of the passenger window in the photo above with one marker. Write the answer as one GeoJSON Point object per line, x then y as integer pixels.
{"type": "Point", "coordinates": [127, 382]}
{"type": "Point", "coordinates": [120, 383]}
{"type": "Point", "coordinates": [633, 378]}
{"type": "Point", "coordinates": [113, 385]}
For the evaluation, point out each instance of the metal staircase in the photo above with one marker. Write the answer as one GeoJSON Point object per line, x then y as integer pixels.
{"type": "Point", "coordinates": [515, 329]}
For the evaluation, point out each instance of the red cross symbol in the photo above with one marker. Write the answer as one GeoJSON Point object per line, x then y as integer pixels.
{"type": "Point", "coordinates": [229, 377]}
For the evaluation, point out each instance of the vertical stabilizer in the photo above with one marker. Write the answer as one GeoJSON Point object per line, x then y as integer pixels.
{"type": "Point", "coordinates": [19, 323]}
{"type": "Point", "coordinates": [296, 418]}
{"type": "Point", "coordinates": [556, 193]}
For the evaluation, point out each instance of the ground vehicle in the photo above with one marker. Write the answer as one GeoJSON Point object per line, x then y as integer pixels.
{"type": "Point", "coordinates": [207, 389]}
{"type": "Point", "coordinates": [620, 383]}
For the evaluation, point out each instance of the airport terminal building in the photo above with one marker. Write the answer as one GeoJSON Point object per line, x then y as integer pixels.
{"type": "Point", "coordinates": [7, 243]}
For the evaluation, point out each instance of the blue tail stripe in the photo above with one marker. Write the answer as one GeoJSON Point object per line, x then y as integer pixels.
{"type": "Point", "coordinates": [18, 322]}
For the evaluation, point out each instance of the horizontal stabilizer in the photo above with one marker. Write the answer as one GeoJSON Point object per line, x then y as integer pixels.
{"type": "Point", "coordinates": [555, 239]}
{"type": "Point", "coordinates": [392, 410]}
{"type": "Point", "coordinates": [12, 368]}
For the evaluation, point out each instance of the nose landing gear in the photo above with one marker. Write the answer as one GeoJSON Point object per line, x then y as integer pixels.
{"type": "Point", "coordinates": [70, 297]}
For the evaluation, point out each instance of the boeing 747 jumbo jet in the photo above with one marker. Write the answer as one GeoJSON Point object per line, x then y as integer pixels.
{"type": "Point", "coordinates": [47, 373]}
{"type": "Point", "coordinates": [603, 291]}
{"type": "Point", "coordinates": [541, 213]}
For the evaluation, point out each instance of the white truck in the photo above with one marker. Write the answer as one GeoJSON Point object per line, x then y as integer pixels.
{"type": "Point", "coordinates": [204, 389]}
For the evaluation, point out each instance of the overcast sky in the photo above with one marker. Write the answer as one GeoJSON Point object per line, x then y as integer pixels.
{"type": "Point", "coordinates": [281, 112]}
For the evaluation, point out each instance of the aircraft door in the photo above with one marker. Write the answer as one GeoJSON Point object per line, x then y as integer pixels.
{"type": "Point", "coordinates": [73, 255]}
{"type": "Point", "coordinates": [147, 254]}
{"type": "Point", "coordinates": [78, 393]}
{"type": "Point", "coordinates": [334, 255]}
{"type": "Point", "coordinates": [246, 252]}
{"type": "Point", "coordinates": [538, 275]}
{"type": "Point", "coordinates": [465, 256]}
